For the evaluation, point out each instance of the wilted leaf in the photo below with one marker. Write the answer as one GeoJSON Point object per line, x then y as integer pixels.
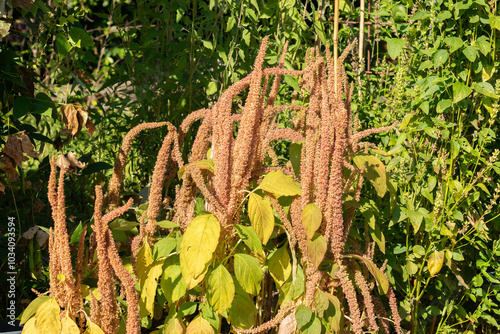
{"type": "Point", "coordinates": [220, 289]}
{"type": "Point", "coordinates": [13, 148]}
{"type": "Point", "coordinates": [311, 219]}
{"type": "Point", "coordinates": [435, 262]}
{"type": "Point", "coordinates": [261, 216]}
{"type": "Point", "coordinates": [75, 117]}
{"type": "Point", "coordinates": [248, 273]}
{"type": "Point", "coordinates": [316, 249]}
{"type": "Point", "coordinates": [198, 244]}
{"type": "Point", "coordinates": [9, 167]}
{"type": "Point", "coordinates": [279, 184]}
{"type": "Point", "coordinates": [47, 317]}
{"type": "Point", "coordinates": [199, 326]}
{"type": "Point", "coordinates": [70, 163]}
{"type": "Point", "coordinates": [380, 278]}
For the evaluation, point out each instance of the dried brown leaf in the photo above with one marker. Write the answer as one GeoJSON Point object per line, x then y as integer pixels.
{"type": "Point", "coordinates": [2, 187]}
{"type": "Point", "coordinates": [70, 163]}
{"type": "Point", "coordinates": [74, 117]}
{"type": "Point", "coordinates": [27, 146]}
{"type": "Point", "coordinates": [30, 234]}
{"type": "Point", "coordinates": [8, 165]}
{"type": "Point", "coordinates": [13, 148]}
{"type": "Point", "coordinates": [63, 163]}
{"type": "Point", "coordinates": [74, 160]}
{"type": "Point", "coordinates": [90, 126]}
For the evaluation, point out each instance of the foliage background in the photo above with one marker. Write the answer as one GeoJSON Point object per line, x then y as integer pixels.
{"type": "Point", "coordinates": [127, 63]}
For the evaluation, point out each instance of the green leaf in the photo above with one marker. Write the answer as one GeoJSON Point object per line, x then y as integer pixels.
{"type": "Point", "coordinates": [484, 45]}
{"type": "Point", "coordinates": [454, 43]}
{"type": "Point", "coordinates": [171, 283]}
{"type": "Point", "coordinates": [248, 273]}
{"type": "Point", "coordinates": [303, 315]}
{"type": "Point", "coordinates": [167, 224]}
{"type": "Point", "coordinates": [199, 326]}
{"type": "Point", "coordinates": [292, 290]}
{"type": "Point", "coordinates": [122, 224]}
{"type": "Point", "coordinates": [494, 21]}
{"type": "Point", "coordinates": [380, 278]}
{"type": "Point", "coordinates": [197, 247]}
{"type": "Point", "coordinates": [395, 46]}
{"type": "Point", "coordinates": [443, 106]}
{"type": "Point", "coordinates": [249, 237]}
{"type": "Point", "coordinates": [63, 46]}
{"type": "Point", "coordinates": [280, 266]}
{"type": "Point", "coordinates": [75, 236]}
{"type": "Point", "coordinates": [80, 38]}
{"type": "Point", "coordinates": [454, 149]}
{"type": "Point", "coordinates": [435, 262]}
{"type": "Point", "coordinates": [212, 88]}
{"type": "Point", "coordinates": [43, 104]}
{"type": "Point", "coordinates": [96, 167]}
{"type": "Point", "coordinates": [374, 171]}
{"type": "Point", "coordinates": [164, 247]}
{"type": "Point", "coordinates": [220, 289]}
{"type": "Point", "coordinates": [311, 219]}
{"type": "Point", "coordinates": [32, 307]}
{"type": "Point", "coordinates": [333, 314]}
{"type": "Point", "coordinates": [440, 57]}
{"type": "Point", "coordinates": [230, 23]}
{"type": "Point", "coordinates": [279, 184]}
{"type": "Point", "coordinates": [242, 311]}
{"type": "Point", "coordinates": [460, 91]}
{"type": "Point", "coordinates": [296, 156]}
{"type": "Point", "coordinates": [432, 181]}
{"type": "Point", "coordinates": [312, 327]}
{"type": "Point", "coordinates": [261, 216]}
{"type": "Point", "coordinates": [205, 164]}
{"type": "Point", "coordinates": [22, 106]}
{"type": "Point", "coordinates": [444, 15]}
{"type": "Point", "coordinates": [316, 248]}
{"type": "Point", "coordinates": [186, 309]}
{"type": "Point", "coordinates": [485, 89]}
{"type": "Point", "coordinates": [470, 53]}
{"type": "Point", "coordinates": [416, 218]}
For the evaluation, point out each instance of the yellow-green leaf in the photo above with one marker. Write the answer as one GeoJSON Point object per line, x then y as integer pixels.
{"type": "Point", "coordinates": [380, 278]}
{"type": "Point", "coordinates": [280, 266]}
{"type": "Point", "coordinates": [311, 219]}
{"type": "Point", "coordinates": [374, 171]}
{"type": "Point", "coordinates": [174, 326]}
{"type": "Point", "coordinates": [316, 249]}
{"type": "Point", "coordinates": [47, 317]}
{"type": "Point", "coordinates": [220, 289]}
{"type": "Point", "coordinates": [69, 326]}
{"type": "Point", "coordinates": [435, 262]}
{"type": "Point", "coordinates": [248, 273]}
{"type": "Point", "coordinates": [149, 283]}
{"type": "Point", "coordinates": [197, 247]}
{"type": "Point", "coordinates": [29, 327]}
{"type": "Point", "coordinates": [172, 284]}
{"type": "Point", "coordinates": [261, 216]}
{"type": "Point", "coordinates": [199, 326]}
{"type": "Point", "coordinates": [144, 259]}
{"type": "Point", "coordinates": [93, 328]}
{"type": "Point", "coordinates": [250, 238]}
{"type": "Point", "coordinates": [279, 184]}
{"type": "Point", "coordinates": [32, 307]}
{"type": "Point", "coordinates": [242, 311]}
{"type": "Point", "coordinates": [205, 164]}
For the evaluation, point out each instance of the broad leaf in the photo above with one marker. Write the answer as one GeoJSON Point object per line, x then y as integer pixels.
{"type": "Point", "coordinates": [303, 315]}
{"type": "Point", "coordinates": [199, 326]}
{"type": "Point", "coordinates": [242, 311]}
{"type": "Point", "coordinates": [395, 46]}
{"type": "Point", "coordinates": [248, 273]}
{"type": "Point", "coordinates": [164, 247]}
{"type": "Point", "coordinates": [374, 171]}
{"type": "Point", "coordinates": [93, 329]}
{"type": "Point", "coordinates": [317, 249]}
{"type": "Point", "coordinates": [220, 289]}
{"type": "Point", "coordinates": [32, 307]}
{"type": "Point", "coordinates": [440, 57]}
{"type": "Point", "coordinates": [311, 219]}
{"type": "Point", "coordinates": [249, 237]}
{"type": "Point", "coordinates": [149, 285]}
{"type": "Point", "coordinates": [144, 259]}
{"type": "Point", "coordinates": [69, 326]}
{"type": "Point", "coordinates": [197, 247]}
{"type": "Point", "coordinates": [172, 284]}
{"type": "Point", "coordinates": [279, 184]}
{"type": "Point", "coordinates": [174, 326]}
{"type": "Point", "coordinates": [454, 43]}
{"type": "Point", "coordinates": [435, 262]}
{"type": "Point", "coordinates": [280, 266]}
{"type": "Point", "coordinates": [261, 216]}
{"type": "Point", "coordinates": [485, 88]}
{"type": "Point", "coordinates": [47, 317]}
{"type": "Point", "coordinates": [460, 91]}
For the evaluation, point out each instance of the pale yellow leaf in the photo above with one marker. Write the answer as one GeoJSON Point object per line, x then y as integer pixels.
{"type": "Point", "coordinates": [220, 289]}
{"type": "Point", "coordinates": [279, 184]}
{"type": "Point", "coordinates": [174, 326]}
{"type": "Point", "coordinates": [435, 262]}
{"type": "Point", "coordinates": [149, 283]}
{"type": "Point", "coordinates": [29, 327]}
{"type": "Point", "coordinates": [69, 326]}
{"type": "Point", "coordinates": [316, 248]}
{"type": "Point", "coordinates": [93, 328]}
{"type": "Point", "coordinates": [311, 219]}
{"type": "Point", "coordinates": [261, 217]}
{"type": "Point", "coordinates": [199, 326]}
{"type": "Point", "coordinates": [47, 317]}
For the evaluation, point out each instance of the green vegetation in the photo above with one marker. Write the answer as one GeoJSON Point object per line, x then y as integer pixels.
{"type": "Point", "coordinates": [423, 231]}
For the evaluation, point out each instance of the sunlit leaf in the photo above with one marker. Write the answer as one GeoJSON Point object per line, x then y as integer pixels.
{"type": "Point", "coordinates": [32, 307]}
{"type": "Point", "coordinates": [29, 327]}
{"type": "Point", "coordinates": [47, 317]}
{"type": "Point", "coordinates": [197, 247]}
{"type": "Point", "coordinates": [149, 285]}
{"type": "Point", "coordinates": [248, 273]}
{"type": "Point", "coordinates": [199, 326]}
{"type": "Point", "coordinates": [249, 237]}
{"type": "Point", "coordinates": [220, 289]}
{"type": "Point", "coordinates": [174, 326]}
{"type": "Point", "coordinates": [261, 216]}
{"type": "Point", "coordinates": [395, 46]}
{"type": "Point", "coordinates": [279, 184]}
{"type": "Point", "coordinates": [374, 171]}
{"type": "Point", "coordinates": [242, 310]}
{"type": "Point", "coordinates": [380, 278]}
{"type": "Point", "coordinates": [69, 326]}
{"type": "Point", "coordinates": [311, 219]}
{"type": "Point", "coordinates": [435, 262]}
{"type": "Point", "coordinates": [93, 329]}
{"type": "Point", "coordinates": [316, 248]}
{"type": "Point", "coordinates": [280, 266]}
